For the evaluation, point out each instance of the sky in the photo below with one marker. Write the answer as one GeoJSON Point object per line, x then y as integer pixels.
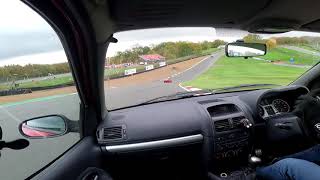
{"type": "Point", "coordinates": [26, 38]}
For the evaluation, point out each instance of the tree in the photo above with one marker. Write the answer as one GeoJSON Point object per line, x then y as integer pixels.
{"type": "Point", "coordinates": [217, 43]}
{"type": "Point", "coordinates": [32, 70]}
{"type": "Point", "coordinates": [252, 38]}
{"type": "Point", "coordinates": [170, 50]}
{"type": "Point", "coordinates": [271, 43]}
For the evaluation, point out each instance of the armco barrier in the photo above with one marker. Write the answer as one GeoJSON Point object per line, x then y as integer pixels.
{"type": "Point", "coordinates": [155, 66]}
{"type": "Point", "coordinates": [52, 87]}
{"type": "Point", "coordinates": [149, 67]}
{"type": "Point", "coordinates": [15, 92]}
{"type": "Point", "coordinates": [130, 71]}
{"type": "Point", "coordinates": [161, 64]}
{"type": "Point", "coordinates": [30, 90]}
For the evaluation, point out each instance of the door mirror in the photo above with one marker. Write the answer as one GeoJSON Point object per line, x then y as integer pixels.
{"type": "Point", "coordinates": [241, 49]}
{"type": "Point", "coordinates": [44, 127]}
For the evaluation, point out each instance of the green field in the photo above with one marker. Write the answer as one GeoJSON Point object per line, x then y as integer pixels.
{"type": "Point", "coordinates": [42, 83]}
{"type": "Point", "coordinates": [307, 47]}
{"type": "Point", "coordinates": [284, 54]}
{"type": "Point", "coordinates": [209, 51]}
{"type": "Point", "coordinates": [236, 71]}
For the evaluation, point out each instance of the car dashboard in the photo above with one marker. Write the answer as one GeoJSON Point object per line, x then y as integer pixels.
{"type": "Point", "coordinates": [219, 127]}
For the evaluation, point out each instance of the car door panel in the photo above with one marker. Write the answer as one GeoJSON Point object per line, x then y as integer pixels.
{"type": "Point", "coordinates": [75, 161]}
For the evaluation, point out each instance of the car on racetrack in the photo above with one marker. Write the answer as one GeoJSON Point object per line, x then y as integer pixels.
{"type": "Point", "coordinates": [228, 106]}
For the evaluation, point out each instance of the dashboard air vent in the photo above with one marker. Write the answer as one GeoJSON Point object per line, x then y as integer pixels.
{"type": "Point", "coordinates": [222, 125]}
{"type": "Point", "coordinates": [229, 124]}
{"type": "Point", "coordinates": [236, 121]}
{"type": "Point", "coordinates": [110, 134]}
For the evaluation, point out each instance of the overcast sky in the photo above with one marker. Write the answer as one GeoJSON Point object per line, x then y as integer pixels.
{"type": "Point", "coordinates": [26, 38]}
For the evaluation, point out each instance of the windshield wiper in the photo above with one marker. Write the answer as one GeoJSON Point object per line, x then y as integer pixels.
{"type": "Point", "coordinates": [180, 95]}
{"type": "Point", "coordinates": [244, 87]}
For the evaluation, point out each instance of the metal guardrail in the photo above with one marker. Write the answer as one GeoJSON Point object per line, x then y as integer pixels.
{"type": "Point", "coordinates": [14, 92]}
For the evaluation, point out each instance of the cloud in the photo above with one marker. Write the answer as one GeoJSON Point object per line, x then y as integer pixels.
{"type": "Point", "coordinates": [40, 58]}
{"type": "Point", "coordinates": [19, 44]}
{"type": "Point", "coordinates": [147, 37]}
{"type": "Point", "coordinates": [18, 17]}
{"type": "Point", "coordinates": [23, 33]}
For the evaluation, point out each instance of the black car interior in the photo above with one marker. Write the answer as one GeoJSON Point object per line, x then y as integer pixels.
{"type": "Point", "coordinates": [225, 135]}
{"type": "Point", "coordinates": [218, 136]}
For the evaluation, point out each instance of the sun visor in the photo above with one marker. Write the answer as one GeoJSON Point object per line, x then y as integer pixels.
{"type": "Point", "coordinates": [313, 26]}
{"type": "Point", "coordinates": [273, 26]}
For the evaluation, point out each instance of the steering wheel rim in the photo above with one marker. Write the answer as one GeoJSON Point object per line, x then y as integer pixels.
{"type": "Point", "coordinates": [312, 131]}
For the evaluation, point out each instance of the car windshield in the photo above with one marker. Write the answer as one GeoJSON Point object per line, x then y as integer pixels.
{"type": "Point", "coordinates": [151, 63]}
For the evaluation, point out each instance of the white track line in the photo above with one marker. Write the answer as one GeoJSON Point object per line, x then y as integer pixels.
{"type": "Point", "coordinates": [183, 87]}
{"type": "Point", "coordinates": [190, 67]}
{"type": "Point", "coordinates": [188, 70]}
{"type": "Point", "coordinates": [195, 89]}
{"type": "Point", "coordinates": [189, 88]}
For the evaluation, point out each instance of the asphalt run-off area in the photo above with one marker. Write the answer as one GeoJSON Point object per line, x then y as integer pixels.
{"type": "Point", "coordinates": [19, 164]}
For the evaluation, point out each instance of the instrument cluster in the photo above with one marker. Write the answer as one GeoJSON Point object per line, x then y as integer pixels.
{"type": "Point", "coordinates": [273, 106]}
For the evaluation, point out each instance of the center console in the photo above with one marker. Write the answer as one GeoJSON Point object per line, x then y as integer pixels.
{"type": "Point", "coordinates": [232, 130]}
{"type": "Point", "coordinates": [232, 145]}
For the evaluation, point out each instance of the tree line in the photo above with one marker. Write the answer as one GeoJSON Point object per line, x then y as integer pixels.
{"type": "Point", "coordinates": [254, 38]}
{"type": "Point", "coordinates": [169, 50]}
{"type": "Point", "coordinates": [16, 72]}
{"type": "Point", "coordinates": [274, 41]}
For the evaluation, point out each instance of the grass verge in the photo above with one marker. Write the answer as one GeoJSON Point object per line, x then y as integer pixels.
{"type": "Point", "coordinates": [284, 55]}
{"type": "Point", "coordinates": [228, 72]}
{"type": "Point", "coordinates": [42, 83]}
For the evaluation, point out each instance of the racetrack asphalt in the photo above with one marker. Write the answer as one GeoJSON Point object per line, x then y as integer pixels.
{"type": "Point", "coordinates": [19, 164]}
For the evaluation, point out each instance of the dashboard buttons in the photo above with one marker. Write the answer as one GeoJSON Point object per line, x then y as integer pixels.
{"type": "Point", "coordinates": [246, 123]}
{"type": "Point", "coordinates": [261, 111]}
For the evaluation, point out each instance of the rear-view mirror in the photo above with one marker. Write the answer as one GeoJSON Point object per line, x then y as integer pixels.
{"type": "Point", "coordinates": [241, 49]}
{"type": "Point", "coordinates": [44, 127]}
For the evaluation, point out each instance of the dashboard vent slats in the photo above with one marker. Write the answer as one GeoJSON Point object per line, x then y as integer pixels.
{"type": "Point", "coordinates": [237, 121]}
{"type": "Point", "coordinates": [112, 133]}
{"type": "Point", "coordinates": [222, 125]}
{"type": "Point", "coordinates": [228, 124]}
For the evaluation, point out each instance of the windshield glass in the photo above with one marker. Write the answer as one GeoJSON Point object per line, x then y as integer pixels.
{"type": "Point", "coordinates": [152, 63]}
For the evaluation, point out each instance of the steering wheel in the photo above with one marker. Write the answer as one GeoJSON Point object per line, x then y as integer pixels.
{"type": "Point", "coordinates": [307, 108]}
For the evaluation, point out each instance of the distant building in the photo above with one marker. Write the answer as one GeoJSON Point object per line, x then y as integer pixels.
{"type": "Point", "coordinates": [151, 58]}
